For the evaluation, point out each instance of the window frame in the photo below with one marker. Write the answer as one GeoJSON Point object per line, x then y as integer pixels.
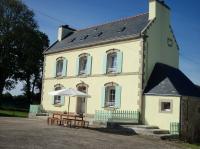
{"type": "Point", "coordinates": [161, 106]}
{"type": "Point", "coordinates": [110, 103]}
{"type": "Point", "coordinates": [59, 74]}
{"type": "Point", "coordinates": [111, 65]}
{"type": "Point", "coordinates": [55, 97]}
{"type": "Point", "coordinates": [82, 70]}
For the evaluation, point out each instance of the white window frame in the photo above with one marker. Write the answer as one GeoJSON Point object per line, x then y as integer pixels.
{"type": "Point", "coordinates": [83, 66]}
{"type": "Point", "coordinates": [111, 62]}
{"type": "Point", "coordinates": [165, 101]}
{"type": "Point", "coordinates": [110, 97]}
{"type": "Point", "coordinates": [59, 67]}
{"type": "Point", "coordinates": [57, 99]}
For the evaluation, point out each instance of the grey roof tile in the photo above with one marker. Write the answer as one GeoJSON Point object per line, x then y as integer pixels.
{"type": "Point", "coordinates": [129, 27]}
{"type": "Point", "coordinates": [166, 80]}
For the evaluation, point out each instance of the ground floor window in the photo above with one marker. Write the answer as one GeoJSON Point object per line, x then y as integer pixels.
{"type": "Point", "coordinates": [110, 96]}
{"type": "Point", "coordinates": [165, 106]}
{"type": "Point", "coordinates": [57, 99]}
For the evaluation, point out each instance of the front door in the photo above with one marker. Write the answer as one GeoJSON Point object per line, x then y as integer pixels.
{"type": "Point", "coordinates": [81, 101]}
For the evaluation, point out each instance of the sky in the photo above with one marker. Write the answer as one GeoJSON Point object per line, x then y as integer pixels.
{"type": "Point", "coordinates": [185, 20]}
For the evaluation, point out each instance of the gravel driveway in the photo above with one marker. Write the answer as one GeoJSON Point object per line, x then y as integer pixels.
{"type": "Point", "coordinates": [20, 133]}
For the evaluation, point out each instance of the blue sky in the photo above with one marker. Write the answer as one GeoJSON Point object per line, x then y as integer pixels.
{"type": "Point", "coordinates": [50, 14]}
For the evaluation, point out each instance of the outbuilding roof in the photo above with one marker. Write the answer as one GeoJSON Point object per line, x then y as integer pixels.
{"type": "Point", "coordinates": [167, 80]}
{"type": "Point", "coordinates": [113, 31]}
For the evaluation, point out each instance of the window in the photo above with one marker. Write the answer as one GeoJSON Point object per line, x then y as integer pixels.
{"type": "Point", "coordinates": [110, 96]}
{"type": "Point", "coordinates": [112, 62]}
{"type": "Point", "coordinates": [82, 65]}
{"type": "Point", "coordinates": [59, 67]}
{"type": "Point", "coordinates": [57, 99]}
{"type": "Point", "coordinates": [121, 29]}
{"type": "Point", "coordinates": [165, 106]}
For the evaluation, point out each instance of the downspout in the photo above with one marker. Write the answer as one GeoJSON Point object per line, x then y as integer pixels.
{"type": "Point", "coordinates": [144, 48]}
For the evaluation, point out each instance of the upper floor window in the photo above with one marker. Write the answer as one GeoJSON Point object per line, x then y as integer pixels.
{"type": "Point", "coordinates": [58, 100]}
{"type": "Point", "coordinates": [84, 62]}
{"type": "Point", "coordinates": [60, 67]}
{"type": "Point", "coordinates": [82, 65]}
{"type": "Point", "coordinates": [112, 62]}
{"type": "Point", "coordinates": [111, 95]}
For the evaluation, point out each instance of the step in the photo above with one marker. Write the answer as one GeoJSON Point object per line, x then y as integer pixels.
{"type": "Point", "coordinates": [148, 127]}
{"type": "Point", "coordinates": [160, 131]}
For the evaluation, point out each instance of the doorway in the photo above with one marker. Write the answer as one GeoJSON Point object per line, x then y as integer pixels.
{"type": "Point", "coordinates": [81, 101]}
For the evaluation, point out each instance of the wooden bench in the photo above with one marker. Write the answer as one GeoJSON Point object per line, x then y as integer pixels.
{"type": "Point", "coordinates": [56, 118]}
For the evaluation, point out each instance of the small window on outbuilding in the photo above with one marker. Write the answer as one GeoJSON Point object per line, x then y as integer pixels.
{"type": "Point", "coordinates": [165, 106]}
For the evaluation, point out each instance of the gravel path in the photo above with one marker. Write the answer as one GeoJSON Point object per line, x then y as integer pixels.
{"type": "Point", "coordinates": [21, 133]}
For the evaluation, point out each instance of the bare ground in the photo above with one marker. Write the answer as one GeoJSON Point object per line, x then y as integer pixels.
{"type": "Point", "coordinates": [22, 133]}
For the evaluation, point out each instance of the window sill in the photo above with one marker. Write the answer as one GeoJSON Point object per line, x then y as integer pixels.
{"type": "Point", "coordinates": [167, 111]}
{"type": "Point", "coordinates": [82, 75]}
{"type": "Point", "coordinates": [58, 105]}
{"type": "Point", "coordinates": [110, 108]}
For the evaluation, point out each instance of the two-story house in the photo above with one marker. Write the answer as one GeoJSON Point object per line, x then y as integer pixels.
{"type": "Point", "coordinates": [113, 63]}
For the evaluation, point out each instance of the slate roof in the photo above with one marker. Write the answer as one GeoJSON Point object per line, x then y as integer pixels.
{"type": "Point", "coordinates": [121, 29]}
{"type": "Point", "coordinates": [166, 80]}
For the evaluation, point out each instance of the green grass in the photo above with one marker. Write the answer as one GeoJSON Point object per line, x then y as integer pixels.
{"type": "Point", "coordinates": [191, 146]}
{"type": "Point", "coordinates": [10, 113]}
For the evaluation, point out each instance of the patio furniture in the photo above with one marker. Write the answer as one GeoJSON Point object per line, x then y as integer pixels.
{"type": "Point", "coordinates": [56, 118]}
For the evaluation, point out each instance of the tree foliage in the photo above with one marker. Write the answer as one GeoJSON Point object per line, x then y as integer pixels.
{"type": "Point", "coordinates": [21, 46]}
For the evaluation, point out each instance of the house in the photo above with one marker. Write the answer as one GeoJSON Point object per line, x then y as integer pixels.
{"type": "Point", "coordinates": [129, 65]}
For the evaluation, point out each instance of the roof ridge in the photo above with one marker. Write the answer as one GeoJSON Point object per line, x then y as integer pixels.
{"type": "Point", "coordinates": [118, 20]}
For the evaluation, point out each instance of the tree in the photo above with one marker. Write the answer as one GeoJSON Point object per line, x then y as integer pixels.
{"type": "Point", "coordinates": [22, 46]}
{"type": "Point", "coordinates": [14, 16]}
{"type": "Point", "coordinates": [30, 62]}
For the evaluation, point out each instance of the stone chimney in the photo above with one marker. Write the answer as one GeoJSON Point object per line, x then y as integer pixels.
{"type": "Point", "coordinates": [159, 10]}
{"type": "Point", "coordinates": [64, 31]}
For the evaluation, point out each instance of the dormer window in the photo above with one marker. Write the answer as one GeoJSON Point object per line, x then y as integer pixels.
{"type": "Point", "coordinates": [73, 40]}
{"type": "Point", "coordinates": [121, 29]}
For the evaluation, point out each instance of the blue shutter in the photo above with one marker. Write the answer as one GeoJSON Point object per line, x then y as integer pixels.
{"type": "Point", "coordinates": [52, 100]}
{"type": "Point", "coordinates": [119, 62]}
{"type": "Point", "coordinates": [54, 69]}
{"type": "Point", "coordinates": [77, 66]}
{"type": "Point", "coordinates": [118, 97]}
{"type": "Point", "coordinates": [89, 65]}
{"type": "Point", "coordinates": [62, 100]}
{"type": "Point", "coordinates": [103, 94]}
{"type": "Point", "coordinates": [104, 66]}
{"type": "Point", "coordinates": [64, 69]}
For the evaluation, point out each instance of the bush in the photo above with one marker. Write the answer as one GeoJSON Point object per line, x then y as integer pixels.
{"type": "Point", "coordinates": [19, 103]}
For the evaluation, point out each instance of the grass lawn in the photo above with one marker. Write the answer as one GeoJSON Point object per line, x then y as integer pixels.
{"type": "Point", "coordinates": [192, 146]}
{"type": "Point", "coordinates": [10, 113]}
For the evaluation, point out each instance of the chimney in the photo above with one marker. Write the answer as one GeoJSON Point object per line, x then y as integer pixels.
{"type": "Point", "coordinates": [64, 31]}
{"type": "Point", "coordinates": [159, 10]}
